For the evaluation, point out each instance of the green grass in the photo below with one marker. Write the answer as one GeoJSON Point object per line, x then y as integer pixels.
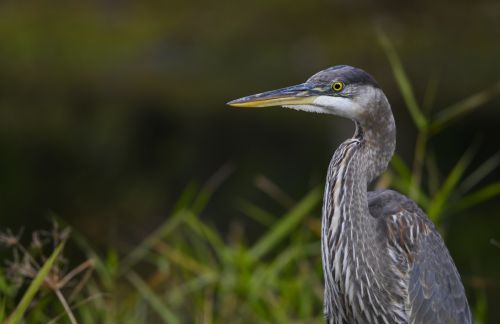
{"type": "Point", "coordinates": [34, 286]}
{"type": "Point", "coordinates": [187, 272]}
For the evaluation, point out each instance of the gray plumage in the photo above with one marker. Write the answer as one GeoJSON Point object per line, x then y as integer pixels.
{"type": "Point", "coordinates": [383, 259]}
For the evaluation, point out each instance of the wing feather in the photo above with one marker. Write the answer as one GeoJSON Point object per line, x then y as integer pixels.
{"type": "Point", "coordinates": [435, 288]}
{"type": "Point", "coordinates": [435, 291]}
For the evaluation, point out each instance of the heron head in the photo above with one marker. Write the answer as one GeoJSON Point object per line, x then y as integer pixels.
{"type": "Point", "coordinates": [340, 90]}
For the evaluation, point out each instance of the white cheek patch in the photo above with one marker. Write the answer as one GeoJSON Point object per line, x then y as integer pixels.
{"type": "Point", "coordinates": [309, 108]}
{"type": "Point", "coordinates": [338, 106]}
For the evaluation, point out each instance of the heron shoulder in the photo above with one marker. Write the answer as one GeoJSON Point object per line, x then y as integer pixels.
{"type": "Point", "coordinates": [383, 203]}
{"type": "Point", "coordinates": [401, 221]}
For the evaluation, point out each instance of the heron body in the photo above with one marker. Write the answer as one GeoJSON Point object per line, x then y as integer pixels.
{"type": "Point", "coordinates": [383, 259]}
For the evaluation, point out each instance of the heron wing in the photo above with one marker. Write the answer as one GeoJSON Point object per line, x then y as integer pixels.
{"type": "Point", "coordinates": [435, 291]}
{"type": "Point", "coordinates": [436, 294]}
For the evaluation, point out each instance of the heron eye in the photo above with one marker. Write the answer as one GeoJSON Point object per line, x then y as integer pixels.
{"type": "Point", "coordinates": [337, 86]}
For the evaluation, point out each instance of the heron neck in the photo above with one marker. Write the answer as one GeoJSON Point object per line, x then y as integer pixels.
{"type": "Point", "coordinates": [355, 164]}
{"type": "Point", "coordinates": [351, 250]}
{"type": "Point", "coordinates": [376, 131]}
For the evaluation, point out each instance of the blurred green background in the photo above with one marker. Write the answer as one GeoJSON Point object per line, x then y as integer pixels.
{"type": "Point", "coordinates": [108, 109]}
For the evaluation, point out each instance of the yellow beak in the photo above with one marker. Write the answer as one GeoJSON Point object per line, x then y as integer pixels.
{"type": "Point", "coordinates": [301, 94]}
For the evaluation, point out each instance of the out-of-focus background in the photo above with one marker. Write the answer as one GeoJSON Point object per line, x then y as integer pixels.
{"type": "Point", "coordinates": [109, 110]}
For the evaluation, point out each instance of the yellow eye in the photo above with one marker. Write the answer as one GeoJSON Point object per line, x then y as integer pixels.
{"type": "Point", "coordinates": [337, 86]}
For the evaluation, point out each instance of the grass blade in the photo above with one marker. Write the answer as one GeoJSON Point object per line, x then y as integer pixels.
{"type": "Point", "coordinates": [256, 213]}
{"type": "Point", "coordinates": [142, 249]}
{"type": "Point", "coordinates": [193, 285]}
{"type": "Point", "coordinates": [99, 264]}
{"type": "Point", "coordinates": [433, 174]}
{"type": "Point", "coordinates": [154, 301]}
{"type": "Point", "coordinates": [289, 255]}
{"type": "Point", "coordinates": [438, 203]}
{"type": "Point", "coordinates": [183, 260]}
{"type": "Point", "coordinates": [481, 307]}
{"type": "Point", "coordinates": [273, 191]}
{"type": "Point", "coordinates": [463, 107]}
{"type": "Point", "coordinates": [430, 93]}
{"type": "Point", "coordinates": [34, 287]}
{"type": "Point", "coordinates": [207, 233]}
{"type": "Point", "coordinates": [418, 165]}
{"type": "Point", "coordinates": [186, 198]}
{"type": "Point", "coordinates": [483, 194]}
{"type": "Point", "coordinates": [210, 187]}
{"type": "Point", "coordinates": [402, 180]}
{"type": "Point", "coordinates": [480, 173]}
{"type": "Point", "coordinates": [2, 310]}
{"type": "Point", "coordinates": [403, 171]}
{"type": "Point", "coordinates": [403, 82]}
{"type": "Point", "coordinates": [284, 226]}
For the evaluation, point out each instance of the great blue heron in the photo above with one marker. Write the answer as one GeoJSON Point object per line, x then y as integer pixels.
{"type": "Point", "coordinates": [383, 259]}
